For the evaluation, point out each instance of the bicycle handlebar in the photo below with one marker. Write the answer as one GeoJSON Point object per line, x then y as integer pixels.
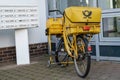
{"type": "Point", "coordinates": [56, 11]}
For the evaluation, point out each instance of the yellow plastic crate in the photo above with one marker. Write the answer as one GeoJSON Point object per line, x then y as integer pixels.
{"type": "Point", "coordinates": [54, 26]}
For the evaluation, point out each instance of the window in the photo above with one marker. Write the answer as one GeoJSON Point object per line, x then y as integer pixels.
{"type": "Point", "coordinates": [111, 20]}
{"type": "Point", "coordinates": [62, 4]}
{"type": "Point", "coordinates": [111, 27]}
{"type": "Point", "coordinates": [107, 4]}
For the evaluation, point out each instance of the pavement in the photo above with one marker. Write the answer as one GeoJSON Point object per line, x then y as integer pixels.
{"type": "Point", "coordinates": [38, 70]}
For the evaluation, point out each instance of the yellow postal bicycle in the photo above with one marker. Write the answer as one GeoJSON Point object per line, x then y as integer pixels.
{"type": "Point", "coordinates": [74, 30]}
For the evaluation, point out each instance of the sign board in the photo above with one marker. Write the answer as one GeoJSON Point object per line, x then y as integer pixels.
{"type": "Point", "coordinates": [15, 16]}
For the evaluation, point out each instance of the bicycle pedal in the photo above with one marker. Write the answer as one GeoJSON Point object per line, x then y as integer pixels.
{"type": "Point", "coordinates": [62, 65]}
{"type": "Point", "coordinates": [49, 63]}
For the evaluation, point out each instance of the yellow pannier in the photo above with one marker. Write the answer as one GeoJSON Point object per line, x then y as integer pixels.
{"type": "Point", "coordinates": [82, 20]}
{"type": "Point", "coordinates": [54, 26]}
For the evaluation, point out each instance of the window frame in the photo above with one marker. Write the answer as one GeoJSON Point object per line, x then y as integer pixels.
{"type": "Point", "coordinates": [107, 14]}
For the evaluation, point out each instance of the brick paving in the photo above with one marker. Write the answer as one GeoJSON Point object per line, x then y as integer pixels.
{"type": "Point", "coordinates": [103, 70]}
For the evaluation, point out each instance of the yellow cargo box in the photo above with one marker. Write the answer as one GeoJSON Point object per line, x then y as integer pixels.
{"type": "Point", "coordinates": [82, 20]}
{"type": "Point", "coordinates": [83, 14]}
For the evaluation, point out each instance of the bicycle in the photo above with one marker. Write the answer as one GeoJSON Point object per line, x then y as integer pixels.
{"type": "Point", "coordinates": [74, 30]}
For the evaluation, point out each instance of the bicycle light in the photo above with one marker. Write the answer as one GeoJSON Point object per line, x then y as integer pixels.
{"type": "Point", "coordinates": [89, 48]}
{"type": "Point", "coordinates": [86, 28]}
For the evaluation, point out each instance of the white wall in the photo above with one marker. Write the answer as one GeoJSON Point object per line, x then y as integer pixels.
{"type": "Point", "coordinates": [36, 35]}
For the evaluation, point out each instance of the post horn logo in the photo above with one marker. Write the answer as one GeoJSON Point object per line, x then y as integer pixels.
{"type": "Point", "coordinates": [87, 13]}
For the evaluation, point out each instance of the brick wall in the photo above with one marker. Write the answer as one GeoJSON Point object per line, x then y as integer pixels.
{"type": "Point", "coordinates": [8, 54]}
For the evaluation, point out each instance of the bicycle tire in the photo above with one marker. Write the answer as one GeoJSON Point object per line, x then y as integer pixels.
{"type": "Point", "coordinates": [83, 57]}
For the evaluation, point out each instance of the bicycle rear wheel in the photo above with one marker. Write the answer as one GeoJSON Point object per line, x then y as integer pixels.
{"type": "Point", "coordinates": [83, 62]}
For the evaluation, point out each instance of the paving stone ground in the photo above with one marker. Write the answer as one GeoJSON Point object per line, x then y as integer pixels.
{"type": "Point", "coordinates": [38, 70]}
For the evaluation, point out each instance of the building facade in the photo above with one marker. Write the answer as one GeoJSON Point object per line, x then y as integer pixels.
{"type": "Point", "coordinates": [105, 45]}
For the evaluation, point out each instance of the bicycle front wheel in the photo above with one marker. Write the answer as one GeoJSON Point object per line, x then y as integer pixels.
{"type": "Point", "coordinates": [82, 63]}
